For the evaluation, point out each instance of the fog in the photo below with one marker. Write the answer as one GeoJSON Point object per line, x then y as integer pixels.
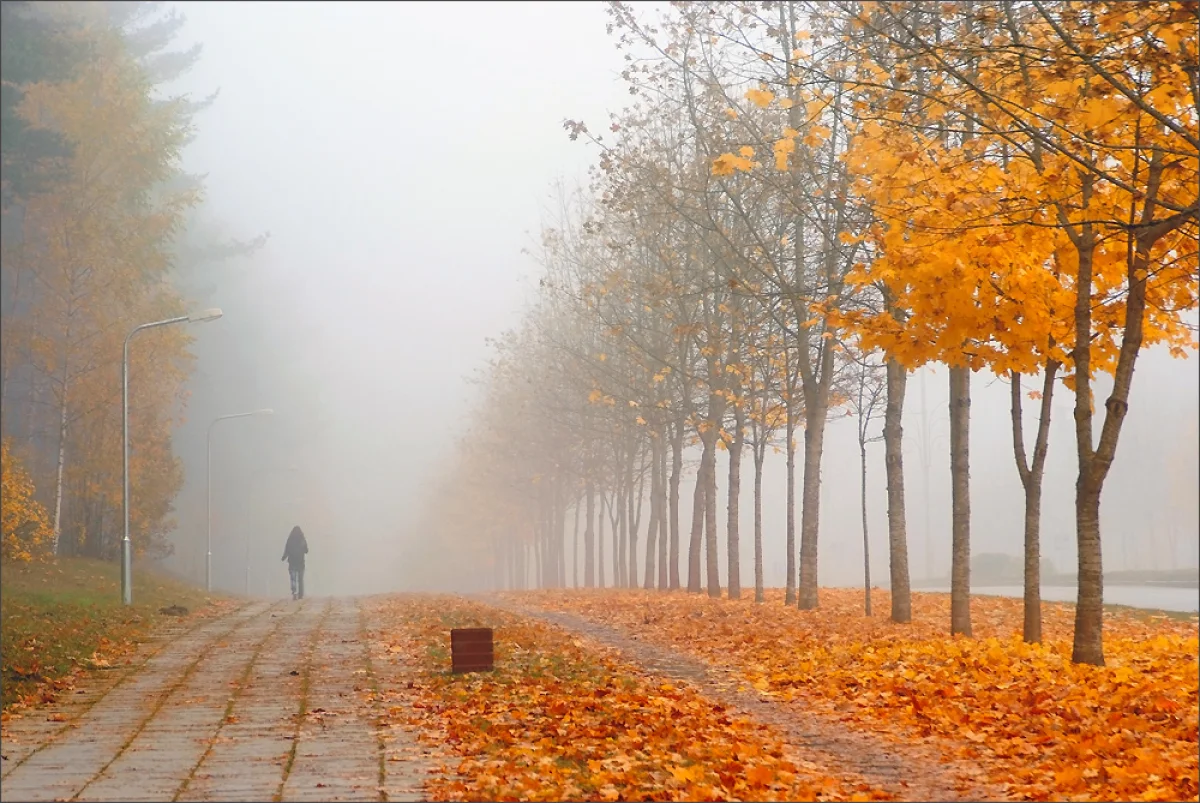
{"type": "Point", "coordinates": [399, 155]}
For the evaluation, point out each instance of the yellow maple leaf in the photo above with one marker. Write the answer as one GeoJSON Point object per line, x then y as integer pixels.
{"type": "Point", "coordinates": [723, 165]}
{"type": "Point", "coordinates": [760, 97]}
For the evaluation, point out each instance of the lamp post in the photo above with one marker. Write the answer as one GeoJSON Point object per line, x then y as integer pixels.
{"type": "Point", "coordinates": [208, 484]}
{"type": "Point", "coordinates": [126, 545]}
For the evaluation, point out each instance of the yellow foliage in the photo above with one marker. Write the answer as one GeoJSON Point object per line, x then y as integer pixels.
{"type": "Point", "coordinates": [760, 97]}
{"type": "Point", "coordinates": [24, 526]}
{"type": "Point", "coordinates": [972, 237]}
{"type": "Point", "coordinates": [783, 149]}
{"type": "Point", "coordinates": [98, 245]}
{"type": "Point", "coordinates": [728, 163]}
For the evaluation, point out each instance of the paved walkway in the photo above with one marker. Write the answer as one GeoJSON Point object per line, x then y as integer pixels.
{"type": "Point", "coordinates": [275, 701]}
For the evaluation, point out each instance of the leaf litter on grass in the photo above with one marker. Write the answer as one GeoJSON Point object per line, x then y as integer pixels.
{"type": "Point", "coordinates": [1031, 721]}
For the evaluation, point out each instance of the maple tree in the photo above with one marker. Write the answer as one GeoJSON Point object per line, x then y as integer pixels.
{"type": "Point", "coordinates": [798, 188]}
{"type": "Point", "coordinates": [865, 401]}
{"type": "Point", "coordinates": [1076, 196]}
{"type": "Point", "coordinates": [757, 246]}
{"type": "Point", "coordinates": [1059, 273]}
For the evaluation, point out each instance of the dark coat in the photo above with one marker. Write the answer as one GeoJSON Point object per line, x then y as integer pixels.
{"type": "Point", "coordinates": [295, 549]}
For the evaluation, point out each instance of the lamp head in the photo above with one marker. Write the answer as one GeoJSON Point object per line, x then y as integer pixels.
{"type": "Point", "coordinates": [205, 315]}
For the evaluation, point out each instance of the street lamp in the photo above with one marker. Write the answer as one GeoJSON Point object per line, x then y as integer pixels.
{"type": "Point", "coordinates": [208, 483]}
{"type": "Point", "coordinates": [126, 546]}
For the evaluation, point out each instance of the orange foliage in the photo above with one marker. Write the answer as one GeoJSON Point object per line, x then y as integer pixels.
{"type": "Point", "coordinates": [1041, 726]}
{"type": "Point", "coordinates": [561, 720]}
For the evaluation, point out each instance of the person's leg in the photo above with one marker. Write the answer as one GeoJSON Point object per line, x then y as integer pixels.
{"type": "Point", "coordinates": [300, 581]}
{"type": "Point", "coordinates": [293, 576]}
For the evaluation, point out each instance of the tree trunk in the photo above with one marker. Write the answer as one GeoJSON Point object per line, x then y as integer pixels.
{"type": "Point", "coordinates": [550, 566]}
{"type": "Point", "coordinates": [789, 594]}
{"type": "Point", "coordinates": [510, 563]}
{"type": "Point", "coordinates": [760, 453]}
{"type": "Point", "coordinates": [519, 567]}
{"type": "Point", "coordinates": [555, 535]}
{"type": "Point", "coordinates": [893, 442]}
{"type": "Point", "coordinates": [1031, 481]}
{"type": "Point", "coordinates": [1088, 645]}
{"type": "Point", "coordinates": [541, 541]}
{"type": "Point", "coordinates": [698, 508]}
{"type": "Point", "coordinates": [1094, 464]}
{"type": "Point", "coordinates": [589, 539]}
{"type": "Point", "coordinates": [635, 521]}
{"type": "Point", "coordinates": [1031, 630]}
{"type": "Point", "coordinates": [560, 533]}
{"type": "Point", "coordinates": [497, 574]}
{"type": "Point", "coordinates": [733, 545]}
{"type": "Point", "coordinates": [620, 534]}
{"type": "Point", "coordinates": [960, 488]}
{"type": "Point", "coordinates": [600, 540]}
{"type": "Point", "coordinates": [539, 558]}
{"type": "Point", "coordinates": [62, 461]}
{"type": "Point", "coordinates": [94, 544]}
{"type": "Point", "coordinates": [575, 550]}
{"type": "Point", "coordinates": [711, 562]}
{"type": "Point", "coordinates": [673, 501]}
{"type": "Point", "coordinates": [862, 452]}
{"type": "Point", "coordinates": [664, 579]}
{"type": "Point", "coordinates": [620, 531]}
{"type": "Point", "coordinates": [1089, 606]}
{"type": "Point", "coordinates": [510, 559]}
{"type": "Point", "coordinates": [655, 513]}
{"type": "Point", "coordinates": [810, 513]}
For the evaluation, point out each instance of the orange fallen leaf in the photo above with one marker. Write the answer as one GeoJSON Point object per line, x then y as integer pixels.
{"type": "Point", "coordinates": [760, 775]}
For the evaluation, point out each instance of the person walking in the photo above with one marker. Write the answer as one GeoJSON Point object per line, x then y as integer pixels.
{"type": "Point", "coordinates": [294, 552]}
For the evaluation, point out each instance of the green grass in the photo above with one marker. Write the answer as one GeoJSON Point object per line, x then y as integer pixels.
{"type": "Point", "coordinates": [55, 617]}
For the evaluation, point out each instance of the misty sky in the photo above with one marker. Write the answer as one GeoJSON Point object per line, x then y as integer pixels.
{"type": "Point", "coordinates": [399, 154]}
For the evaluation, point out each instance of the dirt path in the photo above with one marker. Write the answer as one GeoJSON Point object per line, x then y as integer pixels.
{"type": "Point", "coordinates": [913, 772]}
{"type": "Point", "coordinates": [270, 702]}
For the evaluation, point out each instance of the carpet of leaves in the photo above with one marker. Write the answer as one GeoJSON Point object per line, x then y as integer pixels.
{"type": "Point", "coordinates": [560, 719]}
{"type": "Point", "coordinates": [1042, 727]}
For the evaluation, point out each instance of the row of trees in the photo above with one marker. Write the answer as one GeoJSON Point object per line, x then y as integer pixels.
{"type": "Point", "coordinates": [804, 203]}
{"type": "Point", "coordinates": [95, 206]}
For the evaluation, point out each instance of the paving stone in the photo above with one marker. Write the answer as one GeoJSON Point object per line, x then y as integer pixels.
{"type": "Point", "coordinates": [211, 712]}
